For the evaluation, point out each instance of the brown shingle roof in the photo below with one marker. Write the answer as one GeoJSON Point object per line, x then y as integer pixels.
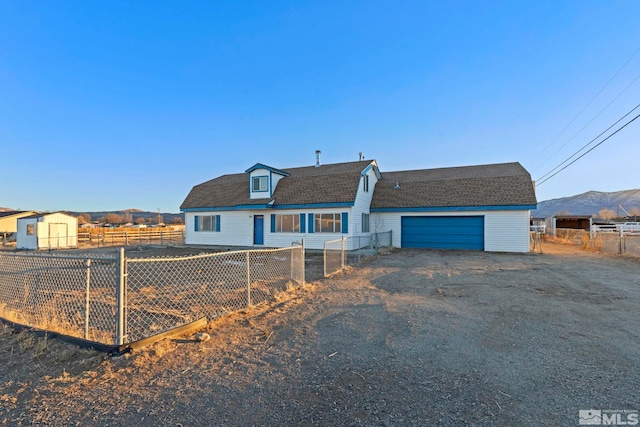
{"type": "Point", "coordinates": [331, 183]}
{"type": "Point", "coordinates": [504, 184]}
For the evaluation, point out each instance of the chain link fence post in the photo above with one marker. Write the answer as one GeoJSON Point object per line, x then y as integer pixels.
{"type": "Point", "coordinates": [120, 295]}
{"type": "Point", "coordinates": [248, 279]}
{"type": "Point", "coordinates": [86, 302]}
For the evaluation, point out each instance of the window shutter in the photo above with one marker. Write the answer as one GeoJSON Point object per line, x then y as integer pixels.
{"type": "Point", "coordinates": [345, 222]}
{"type": "Point", "coordinates": [310, 216]}
{"type": "Point", "coordinates": [217, 222]}
{"type": "Point", "coordinates": [273, 223]}
{"type": "Point", "coordinates": [302, 223]}
{"type": "Point", "coordinates": [195, 223]}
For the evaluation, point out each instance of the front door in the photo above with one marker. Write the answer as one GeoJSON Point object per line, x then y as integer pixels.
{"type": "Point", "coordinates": [258, 229]}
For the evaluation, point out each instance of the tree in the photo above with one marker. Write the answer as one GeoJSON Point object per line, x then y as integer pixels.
{"type": "Point", "coordinates": [635, 212]}
{"type": "Point", "coordinates": [178, 220]}
{"type": "Point", "coordinates": [84, 218]}
{"type": "Point", "coordinates": [140, 220]}
{"type": "Point", "coordinates": [113, 218]}
{"type": "Point", "coordinates": [606, 214]}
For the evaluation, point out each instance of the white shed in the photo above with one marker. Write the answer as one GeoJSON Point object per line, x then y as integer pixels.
{"type": "Point", "coordinates": [47, 231]}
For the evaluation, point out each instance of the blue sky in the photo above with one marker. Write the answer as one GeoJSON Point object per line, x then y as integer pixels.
{"type": "Point", "coordinates": [116, 105]}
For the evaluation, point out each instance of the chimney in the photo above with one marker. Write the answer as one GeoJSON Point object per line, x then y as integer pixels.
{"type": "Point", "coordinates": [318, 158]}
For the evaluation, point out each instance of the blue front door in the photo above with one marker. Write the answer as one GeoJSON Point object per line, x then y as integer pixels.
{"type": "Point", "coordinates": [258, 229]}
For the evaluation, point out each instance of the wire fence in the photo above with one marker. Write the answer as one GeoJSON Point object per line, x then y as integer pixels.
{"type": "Point", "coordinates": [119, 300]}
{"type": "Point", "coordinates": [345, 251]}
{"type": "Point", "coordinates": [615, 243]}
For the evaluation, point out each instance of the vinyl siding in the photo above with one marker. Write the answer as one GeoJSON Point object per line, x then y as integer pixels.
{"type": "Point", "coordinates": [236, 229]}
{"type": "Point", "coordinates": [505, 231]}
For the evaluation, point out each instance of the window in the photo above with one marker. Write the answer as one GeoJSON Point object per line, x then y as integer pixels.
{"type": "Point", "coordinates": [365, 183]}
{"type": "Point", "coordinates": [288, 223]}
{"type": "Point", "coordinates": [30, 230]}
{"type": "Point", "coordinates": [259, 183]}
{"type": "Point", "coordinates": [365, 223]}
{"type": "Point", "coordinates": [207, 223]}
{"type": "Point", "coordinates": [328, 223]}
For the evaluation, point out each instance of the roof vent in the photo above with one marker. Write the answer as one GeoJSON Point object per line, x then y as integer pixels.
{"type": "Point", "coordinates": [361, 156]}
{"type": "Point", "coordinates": [318, 158]}
{"type": "Point", "coordinates": [397, 185]}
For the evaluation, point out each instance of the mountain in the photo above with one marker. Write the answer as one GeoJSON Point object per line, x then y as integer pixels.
{"type": "Point", "coordinates": [131, 215]}
{"type": "Point", "coordinates": [589, 203]}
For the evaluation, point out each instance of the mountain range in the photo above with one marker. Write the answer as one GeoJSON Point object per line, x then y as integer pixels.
{"type": "Point", "coordinates": [590, 203]}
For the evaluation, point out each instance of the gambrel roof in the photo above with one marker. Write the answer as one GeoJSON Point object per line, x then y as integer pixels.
{"type": "Point", "coordinates": [327, 184]}
{"type": "Point", "coordinates": [504, 184]}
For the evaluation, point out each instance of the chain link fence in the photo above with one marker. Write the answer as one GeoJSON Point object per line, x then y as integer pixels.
{"type": "Point", "coordinates": [71, 295]}
{"type": "Point", "coordinates": [118, 300]}
{"type": "Point", "coordinates": [339, 253]}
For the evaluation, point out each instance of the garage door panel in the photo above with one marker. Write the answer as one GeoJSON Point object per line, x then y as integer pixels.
{"type": "Point", "coordinates": [443, 232]}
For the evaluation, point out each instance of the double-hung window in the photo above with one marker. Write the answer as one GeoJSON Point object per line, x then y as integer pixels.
{"type": "Point", "coordinates": [328, 223]}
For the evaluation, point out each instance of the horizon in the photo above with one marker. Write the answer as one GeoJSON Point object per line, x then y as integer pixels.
{"type": "Point", "coordinates": [134, 104]}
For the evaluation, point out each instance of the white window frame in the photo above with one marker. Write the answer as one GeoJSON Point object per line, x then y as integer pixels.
{"type": "Point", "coordinates": [262, 181]}
{"type": "Point", "coordinates": [206, 223]}
{"type": "Point", "coordinates": [335, 221]}
{"type": "Point", "coordinates": [366, 223]}
{"type": "Point", "coordinates": [365, 183]}
{"type": "Point", "coordinates": [282, 220]}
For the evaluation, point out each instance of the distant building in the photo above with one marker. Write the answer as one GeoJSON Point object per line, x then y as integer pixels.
{"type": "Point", "coordinates": [47, 231]}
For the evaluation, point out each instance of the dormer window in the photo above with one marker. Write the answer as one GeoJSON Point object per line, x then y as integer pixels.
{"type": "Point", "coordinates": [259, 184]}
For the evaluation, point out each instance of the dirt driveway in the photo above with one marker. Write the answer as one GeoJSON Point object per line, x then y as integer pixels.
{"type": "Point", "coordinates": [411, 338]}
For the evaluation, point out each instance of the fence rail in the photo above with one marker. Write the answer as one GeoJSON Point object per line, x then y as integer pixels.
{"type": "Point", "coordinates": [119, 300]}
{"type": "Point", "coordinates": [131, 237]}
{"type": "Point", "coordinates": [615, 243]}
{"type": "Point", "coordinates": [337, 252]}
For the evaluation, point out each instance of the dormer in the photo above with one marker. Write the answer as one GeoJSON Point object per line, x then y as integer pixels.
{"type": "Point", "coordinates": [263, 180]}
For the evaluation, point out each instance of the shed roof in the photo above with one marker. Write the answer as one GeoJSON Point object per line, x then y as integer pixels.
{"type": "Point", "coordinates": [503, 184]}
{"type": "Point", "coordinates": [11, 213]}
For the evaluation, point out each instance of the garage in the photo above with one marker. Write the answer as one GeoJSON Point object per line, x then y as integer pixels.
{"type": "Point", "coordinates": [443, 232]}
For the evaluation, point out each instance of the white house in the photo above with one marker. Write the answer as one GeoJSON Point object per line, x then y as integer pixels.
{"type": "Point", "coordinates": [475, 207]}
{"type": "Point", "coordinates": [47, 231]}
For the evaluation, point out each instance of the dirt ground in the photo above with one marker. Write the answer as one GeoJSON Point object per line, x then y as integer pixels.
{"type": "Point", "coordinates": [411, 338]}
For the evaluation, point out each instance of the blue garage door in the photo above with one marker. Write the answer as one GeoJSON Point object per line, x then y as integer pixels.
{"type": "Point", "coordinates": [443, 232]}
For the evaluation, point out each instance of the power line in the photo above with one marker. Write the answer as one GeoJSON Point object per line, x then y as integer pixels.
{"type": "Point", "coordinates": [590, 142]}
{"type": "Point", "coordinates": [597, 115]}
{"type": "Point", "coordinates": [586, 106]}
{"type": "Point", "coordinates": [590, 150]}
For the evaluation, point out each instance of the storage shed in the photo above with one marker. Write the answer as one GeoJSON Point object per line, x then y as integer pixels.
{"type": "Point", "coordinates": [47, 231]}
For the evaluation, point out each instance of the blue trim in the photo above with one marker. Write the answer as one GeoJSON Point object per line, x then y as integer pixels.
{"type": "Point", "coordinates": [316, 205]}
{"type": "Point", "coordinates": [218, 223]}
{"type": "Point", "coordinates": [310, 222]}
{"type": "Point", "coordinates": [457, 208]}
{"type": "Point", "coordinates": [195, 222]}
{"type": "Point", "coordinates": [302, 223]}
{"type": "Point", "coordinates": [273, 223]}
{"type": "Point", "coordinates": [345, 222]}
{"type": "Point", "coordinates": [367, 169]}
{"type": "Point", "coordinates": [269, 168]}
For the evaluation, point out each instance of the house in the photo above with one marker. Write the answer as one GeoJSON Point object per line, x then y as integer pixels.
{"type": "Point", "coordinates": [9, 222]}
{"type": "Point", "coordinates": [47, 231]}
{"type": "Point", "coordinates": [482, 207]}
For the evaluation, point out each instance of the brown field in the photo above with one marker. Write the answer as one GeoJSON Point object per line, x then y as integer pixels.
{"type": "Point", "coordinates": [411, 338]}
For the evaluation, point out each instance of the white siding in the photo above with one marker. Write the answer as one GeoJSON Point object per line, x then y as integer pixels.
{"type": "Point", "coordinates": [55, 230]}
{"type": "Point", "coordinates": [362, 205]}
{"type": "Point", "coordinates": [504, 231]}
{"type": "Point", "coordinates": [260, 194]}
{"type": "Point", "coordinates": [236, 229]}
